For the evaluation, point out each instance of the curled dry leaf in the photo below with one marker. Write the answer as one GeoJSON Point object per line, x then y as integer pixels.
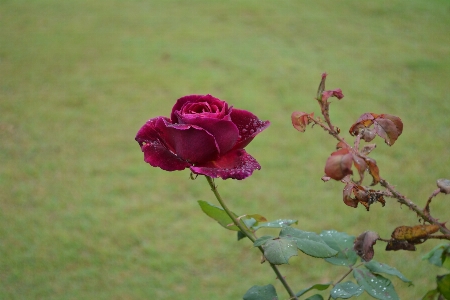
{"type": "Point", "coordinates": [444, 185]}
{"type": "Point", "coordinates": [364, 121]}
{"type": "Point", "coordinates": [300, 120]}
{"type": "Point", "coordinates": [360, 165]}
{"type": "Point", "coordinates": [394, 245]}
{"type": "Point", "coordinates": [325, 178]}
{"type": "Point", "coordinates": [367, 149]}
{"type": "Point", "coordinates": [332, 93]}
{"type": "Point", "coordinates": [341, 145]}
{"type": "Point", "coordinates": [363, 245]}
{"type": "Point", "coordinates": [414, 234]}
{"type": "Point", "coordinates": [387, 126]}
{"type": "Point", "coordinates": [373, 170]}
{"type": "Point", "coordinates": [347, 195]}
{"type": "Point", "coordinates": [339, 164]}
{"type": "Point", "coordinates": [364, 196]}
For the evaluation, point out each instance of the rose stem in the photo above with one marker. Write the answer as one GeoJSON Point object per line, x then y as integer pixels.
{"type": "Point", "coordinates": [248, 234]}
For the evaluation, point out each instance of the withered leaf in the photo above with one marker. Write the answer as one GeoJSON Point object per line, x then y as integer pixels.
{"type": "Point", "coordinates": [414, 234]}
{"type": "Point", "coordinates": [332, 93]}
{"type": "Point", "coordinates": [347, 195]}
{"type": "Point", "coordinates": [363, 245]}
{"type": "Point", "coordinates": [300, 120]}
{"type": "Point", "coordinates": [388, 127]}
{"type": "Point", "coordinates": [364, 121]}
{"type": "Point", "coordinates": [341, 145]}
{"type": "Point", "coordinates": [367, 149]}
{"type": "Point", "coordinates": [444, 185]}
{"type": "Point", "coordinates": [394, 245]}
{"type": "Point", "coordinates": [339, 164]}
{"type": "Point", "coordinates": [362, 195]}
{"type": "Point", "coordinates": [373, 170]}
{"type": "Point", "coordinates": [360, 165]}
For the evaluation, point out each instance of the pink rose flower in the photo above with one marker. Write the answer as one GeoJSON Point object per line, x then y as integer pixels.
{"type": "Point", "coordinates": [203, 134]}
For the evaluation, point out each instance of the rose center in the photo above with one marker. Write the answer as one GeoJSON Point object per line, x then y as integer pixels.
{"type": "Point", "coordinates": [201, 108]}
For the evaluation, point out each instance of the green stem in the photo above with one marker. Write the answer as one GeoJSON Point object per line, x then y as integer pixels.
{"type": "Point", "coordinates": [243, 228]}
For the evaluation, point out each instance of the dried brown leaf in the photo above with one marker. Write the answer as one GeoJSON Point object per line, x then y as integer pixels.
{"type": "Point", "coordinates": [414, 234]}
{"type": "Point", "coordinates": [373, 170]}
{"type": "Point", "coordinates": [363, 245]}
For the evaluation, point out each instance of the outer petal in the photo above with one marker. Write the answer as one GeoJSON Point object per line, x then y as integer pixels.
{"type": "Point", "coordinates": [225, 132]}
{"type": "Point", "coordinates": [236, 164]}
{"type": "Point", "coordinates": [249, 126]}
{"type": "Point", "coordinates": [156, 153]}
{"type": "Point", "coordinates": [189, 142]}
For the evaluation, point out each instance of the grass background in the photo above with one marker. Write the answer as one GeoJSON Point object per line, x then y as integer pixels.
{"type": "Point", "coordinates": [83, 217]}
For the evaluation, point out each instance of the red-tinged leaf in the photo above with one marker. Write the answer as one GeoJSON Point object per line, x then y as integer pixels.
{"type": "Point", "coordinates": [388, 127]}
{"type": "Point", "coordinates": [373, 170]}
{"type": "Point", "coordinates": [367, 149]}
{"type": "Point", "coordinates": [339, 164]}
{"type": "Point", "coordinates": [347, 195]}
{"type": "Point", "coordinates": [364, 245]}
{"type": "Point", "coordinates": [360, 165]}
{"type": "Point", "coordinates": [300, 120]}
{"type": "Point", "coordinates": [342, 145]}
{"type": "Point", "coordinates": [444, 185]}
{"type": "Point", "coordinates": [333, 93]}
{"type": "Point", "coordinates": [364, 121]}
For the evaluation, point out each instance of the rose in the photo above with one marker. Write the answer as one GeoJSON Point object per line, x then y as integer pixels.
{"type": "Point", "coordinates": [203, 134]}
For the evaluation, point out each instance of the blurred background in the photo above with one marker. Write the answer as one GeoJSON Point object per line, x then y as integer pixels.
{"type": "Point", "coordinates": [83, 217]}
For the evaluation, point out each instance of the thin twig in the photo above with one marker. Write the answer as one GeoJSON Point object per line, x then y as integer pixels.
{"type": "Point", "coordinates": [426, 210]}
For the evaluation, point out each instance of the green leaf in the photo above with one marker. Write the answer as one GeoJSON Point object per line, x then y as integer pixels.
{"type": "Point", "coordinates": [266, 292]}
{"type": "Point", "coordinates": [279, 250]}
{"type": "Point", "coordinates": [309, 243]}
{"type": "Point", "coordinates": [275, 224]}
{"type": "Point", "coordinates": [343, 243]}
{"type": "Point", "coordinates": [262, 240]}
{"type": "Point", "coordinates": [218, 214]}
{"type": "Point", "coordinates": [315, 297]}
{"type": "Point", "coordinates": [377, 267]}
{"type": "Point", "coordinates": [431, 295]}
{"type": "Point", "coordinates": [375, 285]}
{"type": "Point", "coordinates": [443, 285]}
{"type": "Point", "coordinates": [346, 290]}
{"type": "Point", "coordinates": [439, 256]}
{"type": "Point", "coordinates": [319, 287]}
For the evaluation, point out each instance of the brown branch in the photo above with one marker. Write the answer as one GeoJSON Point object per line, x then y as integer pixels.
{"type": "Point", "coordinates": [403, 200]}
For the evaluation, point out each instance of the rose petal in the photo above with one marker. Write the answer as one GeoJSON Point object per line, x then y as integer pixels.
{"type": "Point", "coordinates": [236, 164]}
{"type": "Point", "coordinates": [189, 142]}
{"type": "Point", "coordinates": [155, 152]}
{"type": "Point", "coordinates": [192, 104]}
{"type": "Point", "coordinates": [225, 132]}
{"type": "Point", "coordinates": [249, 126]}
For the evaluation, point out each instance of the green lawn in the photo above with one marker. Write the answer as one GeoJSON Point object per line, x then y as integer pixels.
{"type": "Point", "coordinates": [83, 217]}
